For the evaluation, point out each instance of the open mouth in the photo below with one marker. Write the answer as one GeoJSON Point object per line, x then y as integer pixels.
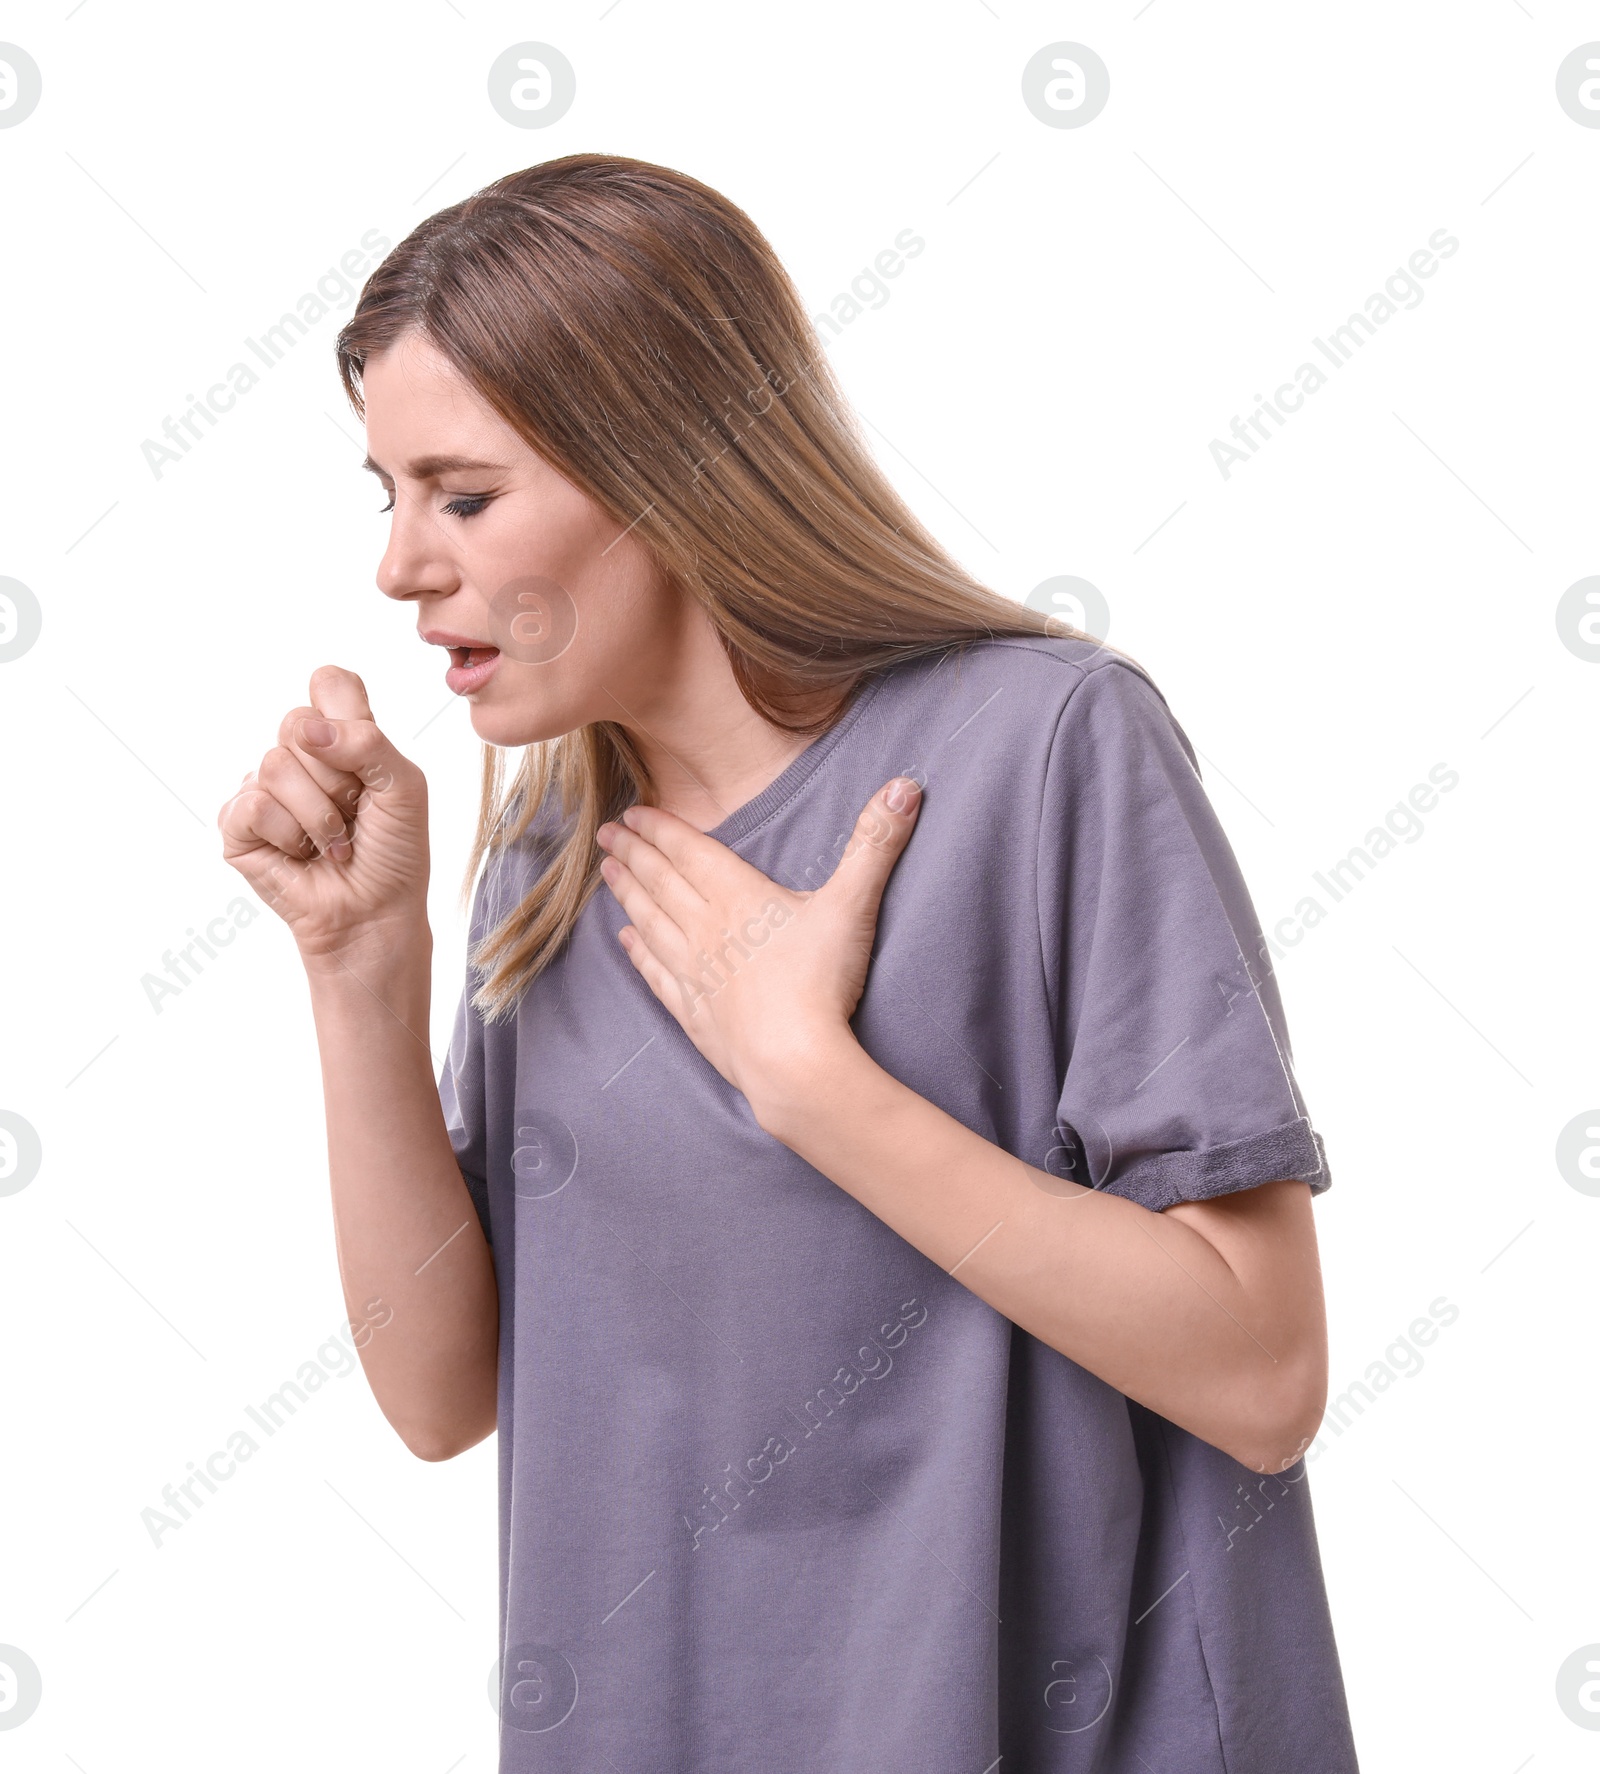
{"type": "Point", "coordinates": [470, 668]}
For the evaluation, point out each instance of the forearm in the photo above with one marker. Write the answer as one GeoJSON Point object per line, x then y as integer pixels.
{"type": "Point", "coordinates": [1138, 1298]}
{"type": "Point", "coordinates": [406, 1229]}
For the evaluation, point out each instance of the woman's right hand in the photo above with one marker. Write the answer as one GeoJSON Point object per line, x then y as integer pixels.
{"type": "Point", "coordinates": [331, 829]}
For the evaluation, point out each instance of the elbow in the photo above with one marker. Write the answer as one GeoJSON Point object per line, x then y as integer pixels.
{"type": "Point", "coordinates": [1280, 1425]}
{"type": "Point", "coordinates": [436, 1445]}
{"type": "Point", "coordinates": [1272, 1454]}
{"type": "Point", "coordinates": [431, 1450]}
{"type": "Point", "coordinates": [444, 1419]}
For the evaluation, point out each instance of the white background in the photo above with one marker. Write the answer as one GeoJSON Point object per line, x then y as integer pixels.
{"type": "Point", "coordinates": [1372, 594]}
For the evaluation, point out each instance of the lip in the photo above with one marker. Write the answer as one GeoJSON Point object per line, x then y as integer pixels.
{"type": "Point", "coordinates": [443, 637]}
{"type": "Point", "coordinates": [464, 679]}
{"type": "Point", "coordinates": [461, 677]}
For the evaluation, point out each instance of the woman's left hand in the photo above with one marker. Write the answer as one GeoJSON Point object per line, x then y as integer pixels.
{"type": "Point", "coordinates": [762, 979]}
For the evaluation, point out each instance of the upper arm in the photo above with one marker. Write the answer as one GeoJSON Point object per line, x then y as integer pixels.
{"type": "Point", "coordinates": [1177, 1088]}
{"type": "Point", "coordinates": [1267, 1238]}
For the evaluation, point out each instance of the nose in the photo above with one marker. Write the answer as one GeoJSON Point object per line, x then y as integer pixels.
{"type": "Point", "coordinates": [417, 559]}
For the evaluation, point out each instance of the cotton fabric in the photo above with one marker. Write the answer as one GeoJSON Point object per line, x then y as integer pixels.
{"type": "Point", "coordinates": [777, 1491]}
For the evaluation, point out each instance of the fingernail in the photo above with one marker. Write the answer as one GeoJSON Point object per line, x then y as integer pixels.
{"type": "Point", "coordinates": [902, 792]}
{"type": "Point", "coordinates": [341, 848]}
{"type": "Point", "coordinates": [317, 732]}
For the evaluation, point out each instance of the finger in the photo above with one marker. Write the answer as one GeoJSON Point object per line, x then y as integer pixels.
{"type": "Point", "coordinates": [341, 787]}
{"type": "Point", "coordinates": [253, 820]}
{"type": "Point", "coordinates": [679, 994]}
{"type": "Point", "coordinates": [271, 875]}
{"type": "Point", "coordinates": [702, 861]}
{"type": "Point", "coordinates": [356, 746]}
{"type": "Point", "coordinates": [288, 781]}
{"type": "Point", "coordinates": [339, 695]}
{"type": "Point", "coordinates": [880, 834]}
{"type": "Point", "coordinates": [664, 936]}
{"type": "Point", "coordinates": [659, 877]}
{"type": "Point", "coordinates": [644, 961]}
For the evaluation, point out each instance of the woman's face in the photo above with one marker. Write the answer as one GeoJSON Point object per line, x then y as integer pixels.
{"type": "Point", "coordinates": [567, 618]}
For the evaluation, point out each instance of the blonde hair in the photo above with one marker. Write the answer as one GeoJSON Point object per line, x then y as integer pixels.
{"type": "Point", "coordinates": [636, 328]}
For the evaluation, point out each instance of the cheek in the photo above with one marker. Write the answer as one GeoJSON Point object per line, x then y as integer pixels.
{"type": "Point", "coordinates": [624, 621]}
{"type": "Point", "coordinates": [624, 638]}
{"type": "Point", "coordinates": [583, 633]}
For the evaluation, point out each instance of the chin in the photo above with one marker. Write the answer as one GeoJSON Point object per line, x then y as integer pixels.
{"type": "Point", "coordinates": [510, 727]}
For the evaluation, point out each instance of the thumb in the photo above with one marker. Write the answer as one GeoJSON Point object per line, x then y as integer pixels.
{"type": "Point", "coordinates": [339, 695]}
{"type": "Point", "coordinates": [881, 833]}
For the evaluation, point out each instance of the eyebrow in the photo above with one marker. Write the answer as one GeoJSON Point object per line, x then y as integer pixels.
{"type": "Point", "coordinates": [430, 467]}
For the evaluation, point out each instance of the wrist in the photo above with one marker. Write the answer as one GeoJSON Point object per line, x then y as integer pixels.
{"type": "Point", "coordinates": [368, 995]}
{"type": "Point", "coordinates": [791, 1095]}
{"type": "Point", "coordinates": [385, 948]}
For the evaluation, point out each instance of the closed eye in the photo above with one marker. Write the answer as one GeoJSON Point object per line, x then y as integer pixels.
{"type": "Point", "coordinates": [462, 505]}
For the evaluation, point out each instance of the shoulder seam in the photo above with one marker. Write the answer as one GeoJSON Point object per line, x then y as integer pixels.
{"type": "Point", "coordinates": [1108, 659]}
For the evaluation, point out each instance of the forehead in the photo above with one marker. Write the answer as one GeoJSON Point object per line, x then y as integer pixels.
{"type": "Point", "coordinates": [416, 402]}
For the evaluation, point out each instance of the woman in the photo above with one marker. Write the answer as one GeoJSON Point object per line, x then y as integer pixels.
{"type": "Point", "coordinates": [880, 1232]}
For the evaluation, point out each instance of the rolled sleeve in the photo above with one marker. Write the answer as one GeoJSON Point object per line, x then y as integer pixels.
{"type": "Point", "coordinates": [1177, 1081]}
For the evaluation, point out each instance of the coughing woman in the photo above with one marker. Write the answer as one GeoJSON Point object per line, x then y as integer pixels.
{"type": "Point", "coordinates": [868, 1189]}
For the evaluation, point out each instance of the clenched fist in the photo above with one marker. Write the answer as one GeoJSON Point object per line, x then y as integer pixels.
{"type": "Point", "coordinates": [331, 829]}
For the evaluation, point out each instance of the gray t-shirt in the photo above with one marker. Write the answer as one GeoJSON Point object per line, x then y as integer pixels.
{"type": "Point", "coordinates": [778, 1492]}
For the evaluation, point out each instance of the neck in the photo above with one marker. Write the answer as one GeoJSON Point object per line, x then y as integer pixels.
{"type": "Point", "coordinates": [707, 750]}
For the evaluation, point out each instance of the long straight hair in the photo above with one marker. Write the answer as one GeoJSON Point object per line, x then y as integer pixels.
{"type": "Point", "coordinates": [638, 331]}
